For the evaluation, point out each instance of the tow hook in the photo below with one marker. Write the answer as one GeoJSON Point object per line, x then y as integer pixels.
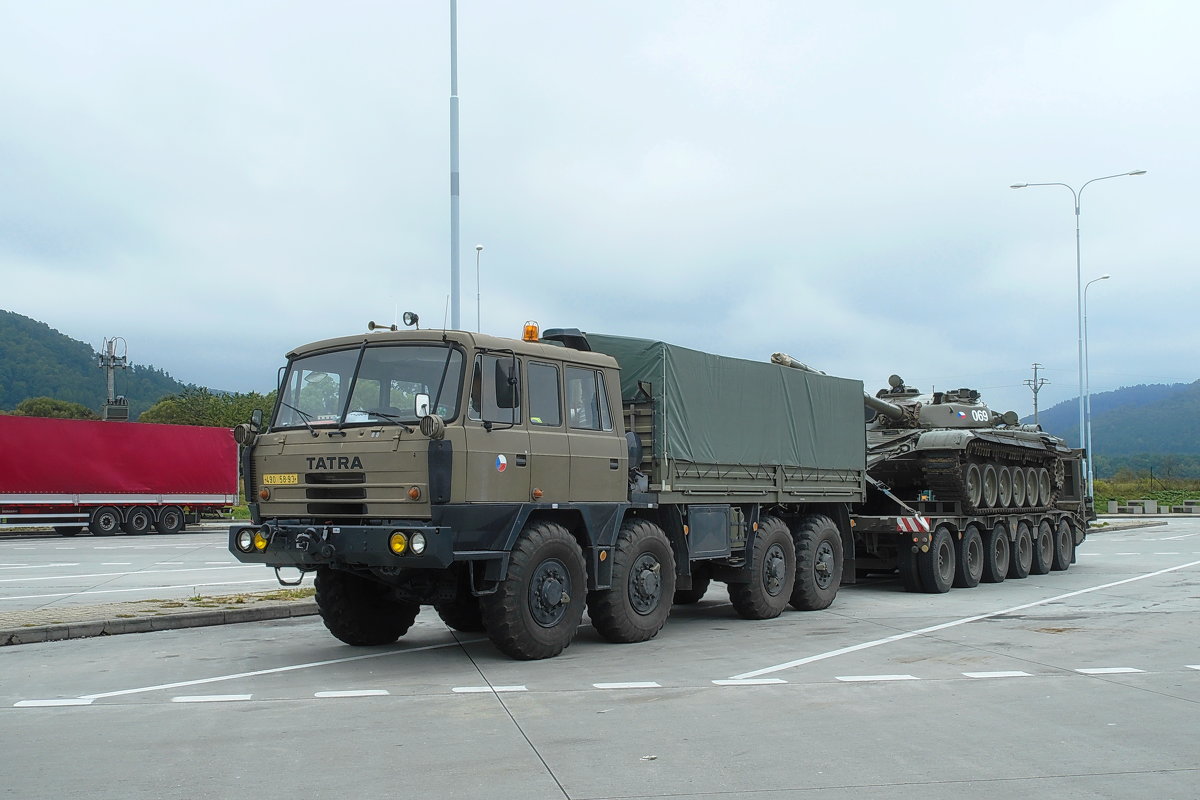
{"type": "Point", "coordinates": [306, 539]}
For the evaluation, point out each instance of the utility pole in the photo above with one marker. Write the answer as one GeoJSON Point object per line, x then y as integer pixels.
{"type": "Point", "coordinates": [115, 408]}
{"type": "Point", "coordinates": [1036, 385]}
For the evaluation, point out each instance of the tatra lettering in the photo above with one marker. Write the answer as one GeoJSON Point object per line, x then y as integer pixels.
{"type": "Point", "coordinates": [338, 462]}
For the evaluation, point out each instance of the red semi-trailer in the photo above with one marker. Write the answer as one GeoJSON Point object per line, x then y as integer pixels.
{"type": "Point", "coordinates": [112, 476]}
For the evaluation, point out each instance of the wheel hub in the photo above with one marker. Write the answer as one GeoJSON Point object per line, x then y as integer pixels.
{"type": "Point", "coordinates": [549, 593]}
{"type": "Point", "coordinates": [774, 570]}
{"type": "Point", "coordinates": [824, 566]}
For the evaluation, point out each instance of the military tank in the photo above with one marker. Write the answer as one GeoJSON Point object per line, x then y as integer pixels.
{"type": "Point", "coordinates": [949, 446]}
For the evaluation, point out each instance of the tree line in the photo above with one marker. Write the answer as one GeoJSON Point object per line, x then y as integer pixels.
{"type": "Point", "coordinates": [192, 406]}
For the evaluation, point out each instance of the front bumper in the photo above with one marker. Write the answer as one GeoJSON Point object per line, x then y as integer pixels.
{"type": "Point", "coordinates": [312, 546]}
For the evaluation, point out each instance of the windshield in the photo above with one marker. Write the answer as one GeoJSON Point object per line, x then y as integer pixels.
{"type": "Point", "coordinates": [316, 388]}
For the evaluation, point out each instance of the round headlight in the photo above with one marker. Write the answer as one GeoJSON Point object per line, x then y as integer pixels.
{"type": "Point", "coordinates": [398, 543]}
{"type": "Point", "coordinates": [418, 543]}
{"type": "Point", "coordinates": [245, 540]}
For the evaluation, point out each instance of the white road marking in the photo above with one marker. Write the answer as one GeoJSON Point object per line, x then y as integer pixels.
{"type": "Point", "coordinates": [151, 589]}
{"type": "Point", "coordinates": [866, 678]}
{"type": "Point", "coordinates": [1127, 554]}
{"type": "Point", "coordinates": [1015, 673]}
{"type": "Point", "coordinates": [628, 685]}
{"type": "Point", "coordinates": [487, 689]}
{"type": "Point", "coordinates": [37, 566]}
{"type": "Point", "coordinates": [943, 626]}
{"type": "Point", "coordinates": [134, 572]}
{"type": "Point", "coordinates": [73, 701]}
{"type": "Point", "coordinates": [1168, 554]}
{"type": "Point", "coordinates": [752, 682]}
{"type": "Point", "coordinates": [1107, 670]}
{"type": "Point", "coordinates": [354, 693]}
{"type": "Point", "coordinates": [117, 564]}
{"type": "Point", "coordinates": [1193, 666]}
{"type": "Point", "coordinates": [211, 698]}
{"type": "Point", "coordinates": [276, 670]}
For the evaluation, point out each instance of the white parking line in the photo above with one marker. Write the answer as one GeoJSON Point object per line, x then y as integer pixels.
{"type": "Point", "coordinates": [212, 698]}
{"type": "Point", "coordinates": [1014, 673]}
{"type": "Point", "coordinates": [354, 693]}
{"type": "Point", "coordinates": [953, 623]}
{"type": "Point", "coordinates": [628, 685]}
{"type": "Point", "coordinates": [487, 689]}
{"type": "Point", "coordinates": [752, 682]}
{"type": "Point", "coordinates": [1107, 670]}
{"type": "Point", "coordinates": [868, 678]}
{"type": "Point", "coordinates": [72, 701]}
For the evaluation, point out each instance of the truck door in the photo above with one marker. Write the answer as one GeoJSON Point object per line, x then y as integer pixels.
{"type": "Point", "coordinates": [549, 449]}
{"type": "Point", "coordinates": [598, 453]}
{"type": "Point", "coordinates": [497, 440]}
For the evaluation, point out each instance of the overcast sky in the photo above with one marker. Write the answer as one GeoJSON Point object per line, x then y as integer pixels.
{"type": "Point", "coordinates": [218, 182]}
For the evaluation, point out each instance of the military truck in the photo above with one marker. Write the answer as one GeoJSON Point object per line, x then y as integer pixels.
{"type": "Point", "coordinates": [512, 484]}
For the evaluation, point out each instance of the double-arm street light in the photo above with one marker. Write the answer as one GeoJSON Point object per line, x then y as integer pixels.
{"type": "Point", "coordinates": [1087, 387]}
{"type": "Point", "coordinates": [1076, 194]}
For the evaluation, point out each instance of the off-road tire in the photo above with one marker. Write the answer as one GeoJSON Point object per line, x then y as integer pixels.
{"type": "Point", "coordinates": [1022, 553]}
{"type": "Point", "coordinates": [643, 585]}
{"type": "Point", "coordinates": [819, 563]}
{"type": "Point", "coordinates": [170, 520]}
{"type": "Point", "coordinates": [462, 614]}
{"type": "Point", "coordinates": [1064, 546]}
{"type": "Point", "coordinates": [997, 554]}
{"type": "Point", "coordinates": [545, 555]}
{"type": "Point", "coordinates": [969, 557]}
{"type": "Point", "coordinates": [1043, 549]}
{"type": "Point", "coordinates": [359, 611]}
{"type": "Point", "coordinates": [104, 521]}
{"type": "Point", "coordinates": [700, 583]}
{"type": "Point", "coordinates": [772, 573]}
{"type": "Point", "coordinates": [910, 575]}
{"type": "Point", "coordinates": [937, 564]}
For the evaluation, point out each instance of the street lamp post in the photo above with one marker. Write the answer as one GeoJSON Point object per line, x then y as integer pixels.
{"type": "Point", "coordinates": [1087, 388]}
{"type": "Point", "coordinates": [1077, 194]}
{"type": "Point", "coordinates": [478, 250]}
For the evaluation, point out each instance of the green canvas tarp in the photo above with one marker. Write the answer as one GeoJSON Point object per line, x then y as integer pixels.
{"type": "Point", "coordinates": [713, 409]}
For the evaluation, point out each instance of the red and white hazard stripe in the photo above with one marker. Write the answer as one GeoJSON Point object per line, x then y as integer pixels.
{"type": "Point", "coordinates": [912, 524]}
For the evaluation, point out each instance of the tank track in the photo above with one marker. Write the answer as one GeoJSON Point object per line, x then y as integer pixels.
{"type": "Point", "coordinates": [945, 473]}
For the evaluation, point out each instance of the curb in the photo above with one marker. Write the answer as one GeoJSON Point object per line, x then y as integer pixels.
{"type": "Point", "coordinates": [188, 619]}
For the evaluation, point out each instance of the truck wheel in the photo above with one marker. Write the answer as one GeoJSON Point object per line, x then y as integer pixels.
{"type": "Point", "coordinates": [539, 605]}
{"type": "Point", "coordinates": [997, 553]}
{"type": "Point", "coordinates": [700, 582]}
{"type": "Point", "coordinates": [1022, 552]}
{"type": "Point", "coordinates": [1043, 549]}
{"type": "Point", "coordinates": [818, 544]}
{"type": "Point", "coordinates": [910, 576]}
{"type": "Point", "coordinates": [461, 614]}
{"type": "Point", "coordinates": [139, 521]}
{"type": "Point", "coordinates": [361, 612]}
{"type": "Point", "coordinates": [1064, 546]}
{"type": "Point", "coordinates": [772, 573]}
{"type": "Point", "coordinates": [104, 521]}
{"type": "Point", "coordinates": [937, 565]}
{"type": "Point", "coordinates": [170, 520]}
{"type": "Point", "coordinates": [643, 585]}
{"type": "Point", "coordinates": [968, 568]}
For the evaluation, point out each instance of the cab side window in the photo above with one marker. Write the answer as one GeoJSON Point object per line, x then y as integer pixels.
{"type": "Point", "coordinates": [587, 402]}
{"type": "Point", "coordinates": [495, 390]}
{"type": "Point", "coordinates": [545, 403]}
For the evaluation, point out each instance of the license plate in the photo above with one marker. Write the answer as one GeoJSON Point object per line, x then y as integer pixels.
{"type": "Point", "coordinates": [281, 479]}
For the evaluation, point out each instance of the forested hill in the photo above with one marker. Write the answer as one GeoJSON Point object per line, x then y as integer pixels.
{"type": "Point", "coordinates": [38, 361]}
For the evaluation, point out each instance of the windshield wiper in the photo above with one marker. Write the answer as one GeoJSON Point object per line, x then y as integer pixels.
{"type": "Point", "coordinates": [382, 415]}
{"type": "Point", "coordinates": [304, 417]}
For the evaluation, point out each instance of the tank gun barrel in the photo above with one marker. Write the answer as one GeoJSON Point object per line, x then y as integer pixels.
{"type": "Point", "coordinates": [784, 360]}
{"type": "Point", "coordinates": [889, 410]}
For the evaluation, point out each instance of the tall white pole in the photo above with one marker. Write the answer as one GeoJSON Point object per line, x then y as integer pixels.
{"type": "Point", "coordinates": [1087, 390]}
{"type": "Point", "coordinates": [478, 250]}
{"type": "Point", "coordinates": [454, 300]}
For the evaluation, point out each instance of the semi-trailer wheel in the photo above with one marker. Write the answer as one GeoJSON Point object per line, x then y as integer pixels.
{"type": "Point", "coordinates": [537, 608]}
{"type": "Point", "coordinates": [818, 544]}
{"type": "Point", "coordinates": [700, 583]}
{"type": "Point", "coordinates": [1043, 549]}
{"type": "Point", "coordinates": [937, 565]}
{"type": "Point", "coordinates": [910, 575]}
{"type": "Point", "coordinates": [997, 553]}
{"type": "Point", "coordinates": [1064, 546]}
{"type": "Point", "coordinates": [1022, 552]}
{"type": "Point", "coordinates": [138, 521]}
{"type": "Point", "coordinates": [461, 614]}
{"type": "Point", "coordinates": [359, 611]}
{"type": "Point", "coordinates": [104, 521]}
{"type": "Point", "coordinates": [772, 573]}
{"type": "Point", "coordinates": [643, 585]}
{"type": "Point", "coordinates": [170, 520]}
{"type": "Point", "coordinates": [968, 558]}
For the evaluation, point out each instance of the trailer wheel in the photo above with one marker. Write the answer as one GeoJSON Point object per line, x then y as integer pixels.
{"type": "Point", "coordinates": [997, 553]}
{"type": "Point", "coordinates": [937, 565]}
{"type": "Point", "coordinates": [1043, 549]}
{"type": "Point", "coordinates": [643, 585]}
{"type": "Point", "coordinates": [170, 520]}
{"type": "Point", "coordinates": [700, 582]}
{"type": "Point", "coordinates": [1064, 546]}
{"type": "Point", "coordinates": [969, 557]}
{"type": "Point", "coordinates": [818, 544]}
{"type": "Point", "coordinates": [138, 521]}
{"type": "Point", "coordinates": [104, 521]}
{"type": "Point", "coordinates": [537, 609]}
{"type": "Point", "coordinates": [461, 614]}
{"type": "Point", "coordinates": [361, 612]}
{"type": "Point", "coordinates": [1022, 555]}
{"type": "Point", "coordinates": [910, 576]}
{"type": "Point", "coordinates": [772, 573]}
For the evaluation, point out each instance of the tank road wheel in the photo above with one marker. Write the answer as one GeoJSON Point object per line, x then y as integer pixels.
{"type": "Point", "coordinates": [1064, 546]}
{"type": "Point", "coordinates": [643, 585]}
{"type": "Point", "coordinates": [938, 564]}
{"type": "Point", "coordinates": [1033, 493]}
{"type": "Point", "coordinates": [138, 521]}
{"type": "Point", "coordinates": [968, 558]}
{"type": "Point", "coordinates": [1022, 552]}
{"type": "Point", "coordinates": [1045, 491]}
{"type": "Point", "coordinates": [1043, 549]}
{"type": "Point", "coordinates": [1004, 487]}
{"type": "Point", "coordinates": [537, 608]}
{"type": "Point", "coordinates": [700, 581]}
{"type": "Point", "coordinates": [359, 611]}
{"type": "Point", "coordinates": [104, 521]}
{"type": "Point", "coordinates": [1018, 487]}
{"type": "Point", "coordinates": [772, 573]}
{"type": "Point", "coordinates": [461, 614]}
{"type": "Point", "coordinates": [997, 553]}
{"type": "Point", "coordinates": [991, 485]}
{"type": "Point", "coordinates": [170, 520]}
{"type": "Point", "coordinates": [973, 486]}
{"type": "Point", "coordinates": [818, 544]}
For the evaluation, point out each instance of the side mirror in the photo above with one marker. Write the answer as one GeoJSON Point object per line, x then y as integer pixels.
{"type": "Point", "coordinates": [256, 417]}
{"type": "Point", "coordinates": [421, 405]}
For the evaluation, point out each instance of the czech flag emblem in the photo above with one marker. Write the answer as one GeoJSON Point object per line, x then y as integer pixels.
{"type": "Point", "coordinates": [501, 463]}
